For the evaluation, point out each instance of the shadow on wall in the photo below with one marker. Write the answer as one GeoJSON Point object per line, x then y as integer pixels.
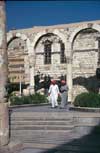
{"type": "Point", "coordinates": [90, 83]}
{"type": "Point", "coordinates": [87, 144]}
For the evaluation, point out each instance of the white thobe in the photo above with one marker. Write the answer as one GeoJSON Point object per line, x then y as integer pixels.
{"type": "Point", "coordinates": [54, 91]}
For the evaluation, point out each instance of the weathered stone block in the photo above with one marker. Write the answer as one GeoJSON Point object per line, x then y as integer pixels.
{"type": "Point", "coordinates": [4, 124]}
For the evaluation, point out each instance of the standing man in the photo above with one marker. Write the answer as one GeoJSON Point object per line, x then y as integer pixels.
{"type": "Point", "coordinates": [53, 93]}
{"type": "Point", "coordinates": [64, 93]}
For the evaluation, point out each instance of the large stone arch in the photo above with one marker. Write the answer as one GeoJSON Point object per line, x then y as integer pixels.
{"type": "Point", "coordinates": [35, 40]}
{"type": "Point", "coordinates": [84, 26]}
{"type": "Point", "coordinates": [43, 33]}
{"type": "Point", "coordinates": [11, 36]}
{"type": "Point", "coordinates": [55, 32]}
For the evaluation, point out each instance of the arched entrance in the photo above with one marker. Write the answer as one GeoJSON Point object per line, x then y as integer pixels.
{"type": "Point", "coordinates": [50, 55]}
{"type": "Point", "coordinates": [18, 60]}
{"type": "Point", "coordinates": [47, 48]}
{"type": "Point", "coordinates": [84, 52]}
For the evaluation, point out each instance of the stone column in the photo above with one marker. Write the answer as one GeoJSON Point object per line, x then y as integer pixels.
{"type": "Point", "coordinates": [55, 59]}
{"type": "Point", "coordinates": [4, 120]}
{"type": "Point", "coordinates": [4, 124]}
{"type": "Point", "coordinates": [31, 60]}
{"type": "Point", "coordinates": [3, 53]}
{"type": "Point", "coordinates": [69, 78]}
{"type": "Point", "coordinates": [31, 66]}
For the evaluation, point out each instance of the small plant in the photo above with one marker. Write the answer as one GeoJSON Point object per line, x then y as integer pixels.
{"type": "Point", "coordinates": [31, 99]}
{"type": "Point", "coordinates": [87, 100]}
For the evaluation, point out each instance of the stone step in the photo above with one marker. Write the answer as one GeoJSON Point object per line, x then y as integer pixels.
{"type": "Point", "coordinates": [41, 127]}
{"type": "Point", "coordinates": [50, 143]}
{"type": "Point", "coordinates": [44, 140]}
{"type": "Point", "coordinates": [39, 145]}
{"type": "Point", "coordinates": [53, 131]}
{"type": "Point", "coordinates": [41, 132]}
{"type": "Point", "coordinates": [39, 118]}
{"type": "Point", "coordinates": [42, 115]}
{"type": "Point", "coordinates": [48, 139]}
{"type": "Point", "coordinates": [30, 135]}
{"type": "Point", "coordinates": [38, 122]}
{"type": "Point", "coordinates": [68, 147]}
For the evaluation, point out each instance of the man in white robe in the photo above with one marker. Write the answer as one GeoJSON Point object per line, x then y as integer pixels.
{"type": "Point", "coordinates": [53, 93]}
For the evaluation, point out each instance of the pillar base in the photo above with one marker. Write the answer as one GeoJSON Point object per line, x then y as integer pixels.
{"type": "Point", "coordinates": [4, 124]}
{"type": "Point", "coordinates": [31, 90]}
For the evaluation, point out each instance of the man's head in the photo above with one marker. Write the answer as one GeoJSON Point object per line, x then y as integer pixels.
{"type": "Point", "coordinates": [63, 82]}
{"type": "Point", "coordinates": [53, 82]}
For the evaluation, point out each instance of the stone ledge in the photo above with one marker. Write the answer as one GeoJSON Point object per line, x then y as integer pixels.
{"type": "Point", "coordinates": [84, 109]}
{"type": "Point", "coordinates": [28, 105]}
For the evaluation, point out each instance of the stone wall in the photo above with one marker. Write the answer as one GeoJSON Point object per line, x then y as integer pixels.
{"type": "Point", "coordinates": [81, 51]}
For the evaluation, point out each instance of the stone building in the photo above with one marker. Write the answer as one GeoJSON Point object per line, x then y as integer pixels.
{"type": "Point", "coordinates": [71, 49]}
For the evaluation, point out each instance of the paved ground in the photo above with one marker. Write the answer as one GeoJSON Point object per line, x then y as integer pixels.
{"type": "Point", "coordinates": [45, 108]}
{"type": "Point", "coordinates": [86, 144]}
{"type": "Point", "coordinates": [30, 150]}
{"type": "Point", "coordinates": [4, 150]}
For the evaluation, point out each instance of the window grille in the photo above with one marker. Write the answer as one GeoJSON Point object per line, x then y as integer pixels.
{"type": "Point", "coordinates": [62, 53]}
{"type": "Point", "coordinates": [47, 52]}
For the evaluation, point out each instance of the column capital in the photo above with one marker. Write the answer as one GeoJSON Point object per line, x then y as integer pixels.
{"type": "Point", "coordinates": [31, 61]}
{"type": "Point", "coordinates": [2, 2]}
{"type": "Point", "coordinates": [69, 60]}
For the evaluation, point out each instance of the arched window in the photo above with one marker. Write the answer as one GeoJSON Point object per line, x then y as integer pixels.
{"type": "Point", "coordinates": [47, 52]}
{"type": "Point", "coordinates": [62, 53]}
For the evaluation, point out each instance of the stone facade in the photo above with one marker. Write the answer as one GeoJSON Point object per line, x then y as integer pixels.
{"type": "Point", "coordinates": [77, 43]}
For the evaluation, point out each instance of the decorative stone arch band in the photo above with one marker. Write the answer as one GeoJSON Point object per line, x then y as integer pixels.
{"type": "Point", "coordinates": [71, 39]}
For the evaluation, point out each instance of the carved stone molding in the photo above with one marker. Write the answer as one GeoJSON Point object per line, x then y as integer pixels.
{"type": "Point", "coordinates": [69, 60]}
{"type": "Point", "coordinates": [90, 25]}
{"type": "Point", "coordinates": [52, 38]}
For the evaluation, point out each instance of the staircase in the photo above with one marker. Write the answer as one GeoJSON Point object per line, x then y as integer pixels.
{"type": "Point", "coordinates": [41, 129]}
{"type": "Point", "coordinates": [52, 131]}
